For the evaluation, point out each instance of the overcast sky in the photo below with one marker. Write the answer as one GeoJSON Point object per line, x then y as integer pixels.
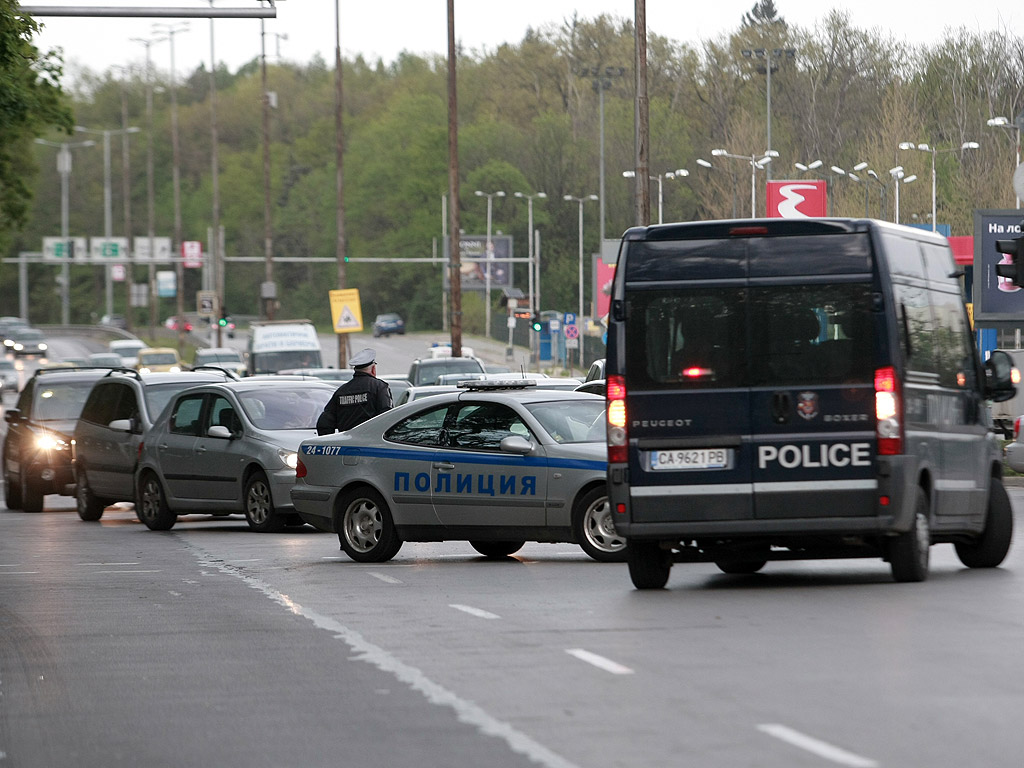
{"type": "Point", "coordinates": [384, 28]}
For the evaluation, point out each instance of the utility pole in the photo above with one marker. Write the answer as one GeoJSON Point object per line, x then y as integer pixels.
{"type": "Point", "coordinates": [455, 270]}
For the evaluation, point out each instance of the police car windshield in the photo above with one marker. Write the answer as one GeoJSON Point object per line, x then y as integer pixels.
{"type": "Point", "coordinates": [575, 421]}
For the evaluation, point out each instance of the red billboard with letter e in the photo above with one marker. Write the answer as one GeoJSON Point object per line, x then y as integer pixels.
{"type": "Point", "coordinates": [797, 199]}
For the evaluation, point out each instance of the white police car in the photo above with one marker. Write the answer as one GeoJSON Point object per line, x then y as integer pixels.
{"type": "Point", "coordinates": [497, 463]}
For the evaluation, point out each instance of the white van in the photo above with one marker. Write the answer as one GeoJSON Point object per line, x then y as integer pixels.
{"type": "Point", "coordinates": [128, 349]}
{"type": "Point", "coordinates": [276, 345]}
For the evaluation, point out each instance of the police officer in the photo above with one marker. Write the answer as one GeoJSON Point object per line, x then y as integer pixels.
{"type": "Point", "coordinates": [359, 399]}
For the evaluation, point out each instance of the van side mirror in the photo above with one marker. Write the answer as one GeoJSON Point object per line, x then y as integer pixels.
{"type": "Point", "coordinates": [1001, 377]}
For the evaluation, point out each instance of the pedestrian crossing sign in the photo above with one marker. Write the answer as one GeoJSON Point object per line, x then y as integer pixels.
{"type": "Point", "coordinates": [346, 312]}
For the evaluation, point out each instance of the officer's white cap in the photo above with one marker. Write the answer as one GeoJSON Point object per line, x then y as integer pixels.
{"type": "Point", "coordinates": [362, 358]}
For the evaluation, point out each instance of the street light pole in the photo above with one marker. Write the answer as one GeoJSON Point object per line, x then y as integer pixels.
{"type": "Point", "coordinates": [602, 82]}
{"type": "Point", "coordinates": [1002, 122]}
{"type": "Point", "coordinates": [898, 176]}
{"type": "Point", "coordinates": [769, 56]}
{"type": "Point", "coordinates": [579, 314]}
{"type": "Point", "coordinates": [755, 163]}
{"type": "Point", "coordinates": [660, 178]}
{"type": "Point", "coordinates": [64, 171]}
{"type": "Point", "coordinates": [529, 244]}
{"type": "Point", "coordinates": [934, 152]}
{"type": "Point", "coordinates": [488, 256]}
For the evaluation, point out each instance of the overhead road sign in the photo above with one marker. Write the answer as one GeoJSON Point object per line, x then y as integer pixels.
{"type": "Point", "coordinates": [64, 249]}
{"type": "Point", "coordinates": [152, 12]}
{"type": "Point", "coordinates": [108, 248]}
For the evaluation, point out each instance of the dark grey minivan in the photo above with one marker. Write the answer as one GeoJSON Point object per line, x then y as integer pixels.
{"type": "Point", "coordinates": [794, 389]}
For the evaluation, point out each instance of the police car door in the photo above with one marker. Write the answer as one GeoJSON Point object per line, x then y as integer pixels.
{"type": "Point", "coordinates": [811, 369]}
{"type": "Point", "coordinates": [175, 446]}
{"type": "Point", "coordinates": [475, 483]}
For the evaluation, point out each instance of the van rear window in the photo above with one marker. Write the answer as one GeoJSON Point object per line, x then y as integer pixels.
{"type": "Point", "coordinates": [785, 335]}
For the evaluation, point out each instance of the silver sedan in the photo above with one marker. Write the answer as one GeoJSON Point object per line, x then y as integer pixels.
{"type": "Point", "coordinates": [491, 465]}
{"type": "Point", "coordinates": [228, 447]}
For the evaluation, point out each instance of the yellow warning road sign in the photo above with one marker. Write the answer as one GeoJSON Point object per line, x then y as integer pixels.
{"type": "Point", "coordinates": [346, 312]}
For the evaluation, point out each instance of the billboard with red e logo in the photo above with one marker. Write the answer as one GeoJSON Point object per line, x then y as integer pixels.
{"type": "Point", "coordinates": [797, 199]}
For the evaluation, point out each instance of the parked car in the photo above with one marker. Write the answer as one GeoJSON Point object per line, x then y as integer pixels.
{"type": "Point", "coordinates": [128, 349]}
{"type": "Point", "coordinates": [37, 448]}
{"type": "Point", "coordinates": [426, 370]}
{"type": "Point", "coordinates": [397, 383]}
{"type": "Point", "coordinates": [108, 359]}
{"type": "Point", "coordinates": [228, 448]}
{"type": "Point", "coordinates": [594, 386]}
{"type": "Point", "coordinates": [171, 324]}
{"type": "Point", "coordinates": [26, 342]}
{"type": "Point", "coordinates": [444, 349]}
{"type": "Point", "coordinates": [117, 416]}
{"type": "Point", "coordinates": [596, 370]}
{"type": "Point", "coordinates": [8, 375]}
{"type": "Point", "coordinates": [338, 375]}
{"type": "Point", "coordinates": [388, 323]}
{"type": "Point", "coordinates": [221, 357]}
{"type": "Point", "coordinates": [115, 321]}
{"type": "Point", "coordinates": [1013, 453]}
{"type": "Point", "coordinates": [159, 360]}
{"type": "Point", "coordinates": [492, 465]}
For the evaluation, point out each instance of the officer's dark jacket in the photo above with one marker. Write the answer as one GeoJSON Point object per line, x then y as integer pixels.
{"type": "Point", "coordinates": [355, 401]}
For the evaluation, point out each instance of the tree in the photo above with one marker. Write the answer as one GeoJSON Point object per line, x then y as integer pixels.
{"type": "Point", "coordinates": [763, 13]}
{"type": "Point", "coordinates": [30, 99]}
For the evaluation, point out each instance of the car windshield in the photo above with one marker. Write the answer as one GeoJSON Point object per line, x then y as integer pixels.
{"type": "Point", "coordinates": [226, 356]}
{"type": "Point", "coordinates": [274, 408]}
{"type": "Point", "coordinates": [28, 334]}
{"type": "Point", "coordinates": [60, 402]}
{"type": "Point", "coordinates": [571, 421]}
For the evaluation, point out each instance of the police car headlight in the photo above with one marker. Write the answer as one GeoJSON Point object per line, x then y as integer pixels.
{"type": "Point", "coordinates": [290, 458]}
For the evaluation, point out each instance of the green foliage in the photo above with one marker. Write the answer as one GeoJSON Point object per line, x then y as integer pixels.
{"type": "Point", "coordinates": [530, 120]}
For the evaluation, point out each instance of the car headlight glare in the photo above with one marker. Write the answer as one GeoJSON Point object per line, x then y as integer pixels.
{"type": "Point", "coordinates": [49, 442]}
{"type": "Point", "coordinates": [290, 458]}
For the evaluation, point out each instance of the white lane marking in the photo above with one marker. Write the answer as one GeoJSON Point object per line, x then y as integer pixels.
{"type": "Point", "coordinates": [817, 746]}
{"type": "Point", "coordinates": [127, 571]}
{"type": "Point", "coordinates": [19, 573]}
{"type": "Point", "coordinates": [10, 565]}
{"type": "Point", "coordinates": [465, 711]}
{"type": "Point", "coordinates": [599, 661]}
{"type": "Point", "coordinates": [106, 564]}
{"type": "Point", "coordinates": [385, 578]}
{"type": "Point", "coordinates": [249, 560]}
{"type": "Point", "coordinates": [478, 612]}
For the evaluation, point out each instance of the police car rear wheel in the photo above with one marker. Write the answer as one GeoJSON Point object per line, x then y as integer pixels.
{"type": "Point", "coordinates": [990, 548]}
{"type": "Point", "coordinates": [259, 505]}
{"type": "Point", "coordinates": [495, 550]}
{"type": "Point", "coordinates": [908, 552]}
{"type": "Point", "coordinates": [366, 529]}
{"type": "Point", "coordinates": [594, 528]}
{"type": "Point", "coordinates": [649, 564]}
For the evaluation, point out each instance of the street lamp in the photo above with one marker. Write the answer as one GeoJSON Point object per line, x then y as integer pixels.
{"type": "Point", "coordinates": [899, 176]}
{"type": "Point", "coordinates": [769, 67]}
{"type": "Point", "coordinates": [855, 178]}
{"type": "Point", "coordinates": [1002, 122]}
{"type": "Point", "coordinates": [755, 163]}
{"type": "Point", "coordinates": [108, 226]}
{"type": "Point", "coordinates": [579, 314]}
{"type": "Point", "coordinates": [488, 256]}
{"type": "Point", "coordinates": [934, 152]}
{"type": "Point", "coordinates": [602, 82]}
{"type": "Point", "coordinates": [706, 164]}
{"type": "Point", "coordinates": [64, 169]}
{"type": "Point", "coordinates": [533, 288]}
{"type": "Point", "coordinates": [660, 178]}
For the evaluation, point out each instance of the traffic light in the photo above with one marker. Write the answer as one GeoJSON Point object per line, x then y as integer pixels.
{"type": "Point", "coordinates": [223, 321]}
{"type": "Point", "coordinates": [536, 323]}
{"type": "Point", "coordinates": [1012, 264]}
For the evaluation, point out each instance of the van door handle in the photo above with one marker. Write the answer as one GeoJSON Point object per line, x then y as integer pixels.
{"type": "Point", "coordinates": [780, 407]}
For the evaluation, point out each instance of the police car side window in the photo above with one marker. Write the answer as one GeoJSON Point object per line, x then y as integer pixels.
{"type": "Point", "coordinates": [185, 419]}
{"type": "Point", "coordinates": [424, 428]}
{"type": "Point", "coordinates": [482, 427]}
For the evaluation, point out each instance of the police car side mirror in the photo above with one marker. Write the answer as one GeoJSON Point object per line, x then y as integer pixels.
{"type": "Point", "coordinates": [218, 431]}
{"type": "Point", "coordinates": [1001, 377]}
{"type": "Point", "coordinates": [516, 444]}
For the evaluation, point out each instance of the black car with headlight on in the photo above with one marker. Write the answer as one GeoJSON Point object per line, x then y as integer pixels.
{"type": "Point", "coordinates": [495, 463]}
{"type": "Point", "coordinates": [37, 449]}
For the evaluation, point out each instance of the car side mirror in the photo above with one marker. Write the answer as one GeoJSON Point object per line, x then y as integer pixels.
{"type": "Point", "coordinates": [218, 431]}
{"type": "Point", "coordinates": [12, 415]}
{"type": "Point", "coordinates": [120, 425]}
{"type": "Point", "coordinates": [1001, 377]}
{"type": "Point", "coordinates": [516, 444]}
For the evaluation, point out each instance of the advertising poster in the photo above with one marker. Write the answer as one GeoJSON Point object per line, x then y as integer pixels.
{"type": "Point", "coordinates": [996, 300]}
{"type": "Point", "coordinates": [797, 199]}
{"type": "Point", "coordinates": [476, 260]}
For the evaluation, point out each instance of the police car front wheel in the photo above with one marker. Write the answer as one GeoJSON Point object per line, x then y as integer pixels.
{"type": "Point", "coordinates": [365, 527]}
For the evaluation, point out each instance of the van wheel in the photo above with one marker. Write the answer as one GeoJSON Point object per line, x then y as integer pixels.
{"type": "Point", "coordinates": [259, 505]}
{"type": "Point", "coordinates": [365, 527]}
{"type": "Point", "coordinates": [594, 529]}
{"type": "Point", "coordinates": [908, 552]}
{"type": "Point", "coordinates": [497, 550]}
{"type": "Point", "coordinates": [151, 505]}
{"type": "Point", "coordinates": [649, 564]}
{"type": "Point", "coordinates": [31, 496]}
{"type": "Point", "coordinates": [989, 549]}
{"type": "Point", "coordinates": [12, 492]}
{"type": "Point", "coordinates": [89, 507]}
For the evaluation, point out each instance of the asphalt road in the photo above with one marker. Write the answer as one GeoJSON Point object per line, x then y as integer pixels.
{"type": "Point", "coordinates": [210, 645]}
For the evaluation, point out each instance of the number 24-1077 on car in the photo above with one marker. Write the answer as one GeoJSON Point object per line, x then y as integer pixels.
{"type": "Point", "coordinates": [697, 458]}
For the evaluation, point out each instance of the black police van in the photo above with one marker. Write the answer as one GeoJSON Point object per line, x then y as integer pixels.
{"type": "Point", "coordinates": [787, 389]}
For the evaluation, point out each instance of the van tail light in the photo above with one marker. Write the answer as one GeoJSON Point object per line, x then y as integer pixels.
{"type": "Point", "coordinates": [300, 469]}
{"type": "Point", "coordinates": [1016, 427]}
{"type": "Point", "coordinates": [618, 438]}
{"type": "Point", "coordinates": [888, 412]}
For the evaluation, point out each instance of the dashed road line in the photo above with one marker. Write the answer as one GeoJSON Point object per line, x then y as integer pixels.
{"type": "Point", "coordinates": [385, 578]}
{"type": "Point", "coordinates": [818, 747]}
{"type": "Point", "coordinates": [599, 661]}
{"type": "Point", "coordinates": [480, 613]}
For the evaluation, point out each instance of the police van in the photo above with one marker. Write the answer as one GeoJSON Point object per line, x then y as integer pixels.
{"type": "Point", "coordinates": [788, 389]}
